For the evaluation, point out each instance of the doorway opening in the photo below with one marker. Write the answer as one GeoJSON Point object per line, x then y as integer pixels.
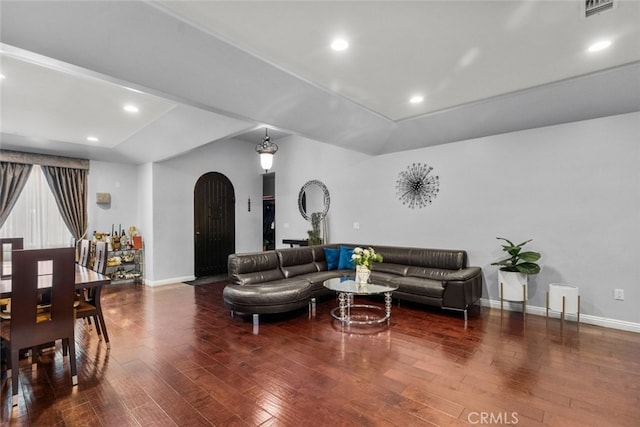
{"type": "Point", "coordinates": [268, 211]}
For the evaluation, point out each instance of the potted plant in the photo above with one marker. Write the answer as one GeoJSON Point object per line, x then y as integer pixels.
{"type": "Point", "coordinates": [363, 260]}
{"type": "Point", "coordinates": [514, 270]}
{"type": "Point", "coordinates": [314, 233]}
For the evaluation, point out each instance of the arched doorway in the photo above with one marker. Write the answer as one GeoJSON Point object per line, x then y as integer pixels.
{"type": "Point", "coordinates": [214, 223]}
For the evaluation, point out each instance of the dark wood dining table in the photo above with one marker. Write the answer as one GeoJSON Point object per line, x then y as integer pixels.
{"type": "Point", "coordinates": [85, 278]}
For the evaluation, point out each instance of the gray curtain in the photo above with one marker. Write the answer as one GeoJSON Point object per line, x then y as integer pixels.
{"type": "Point", "coordinates": [13, 177]}
{"type": "Point", "coordinates": [69, 188]}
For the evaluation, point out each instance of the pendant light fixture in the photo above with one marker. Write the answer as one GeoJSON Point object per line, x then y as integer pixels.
{"type": "Point", "coordinates": [266, 149]}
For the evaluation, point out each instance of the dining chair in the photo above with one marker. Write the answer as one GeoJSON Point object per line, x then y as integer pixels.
{"type": "Point", "coordinates": [90, 306]}
{"type": "Point", "coordinates": [7, 244]}
{"type": "Point", "coordinates": [33, 271]}
{"type": "Point", "coordinates": [85, 249]}
{"type": "Point", "coordinates": [100, 261]}
{"type": "Point", "coordinates": [83, 260]}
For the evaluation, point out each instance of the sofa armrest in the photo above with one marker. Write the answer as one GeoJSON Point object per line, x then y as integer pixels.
{"type": "Point", "coordinates": [463, 288]}
{"type": "Point", "coordinates": [462, 274]}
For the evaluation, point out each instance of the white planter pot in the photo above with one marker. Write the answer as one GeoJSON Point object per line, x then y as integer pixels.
{"type": "Point", "coordinates": [513, 285]}
{"type": "Point", "coordinates": [571, 299]}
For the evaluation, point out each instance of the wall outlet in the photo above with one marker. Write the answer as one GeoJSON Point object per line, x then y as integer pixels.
{"type": "Point", "coordinates": [618, 294]}
{"type": "Point", "coordinates": [356, 226]}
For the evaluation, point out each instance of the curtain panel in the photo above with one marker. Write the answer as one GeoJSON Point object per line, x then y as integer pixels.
{"type": "Point", "coordinates": [69, 188]}
{"type": "Point", "coordinates": [13, 178]}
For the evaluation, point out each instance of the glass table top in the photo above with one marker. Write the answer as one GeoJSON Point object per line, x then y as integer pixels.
{"type": "Point", "coordinates": [348, 285]}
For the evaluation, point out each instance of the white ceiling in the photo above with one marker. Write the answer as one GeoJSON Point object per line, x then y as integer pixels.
{"type": "Point", "coordinates": [206, 71]}
{"type": "Point", "coordinates": [451, 52]}
{"type": "Point", "coordinates": [44, 102]}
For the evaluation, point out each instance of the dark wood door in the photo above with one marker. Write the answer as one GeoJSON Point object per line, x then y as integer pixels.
{"type": "Point", "coordinates": [214, 223]}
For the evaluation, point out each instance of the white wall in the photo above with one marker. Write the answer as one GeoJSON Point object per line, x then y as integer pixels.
{"type": "Point", "coordinates": [173, 184]}
{"type": "Point", "coordinates": [121, 181]}
{"type": "Point", "coordinates": [299, 160]}
{"type": "Point", "coordinates": [573, 188]}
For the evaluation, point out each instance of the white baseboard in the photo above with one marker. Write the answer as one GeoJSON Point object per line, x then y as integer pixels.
{"type": "Point", "coordinates": [584, 318]}
{"type": "Point", "coordinates": [165, 282]}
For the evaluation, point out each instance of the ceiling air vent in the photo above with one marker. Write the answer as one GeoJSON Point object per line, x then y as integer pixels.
{"type": "Point", "coordinates": [594, 7]}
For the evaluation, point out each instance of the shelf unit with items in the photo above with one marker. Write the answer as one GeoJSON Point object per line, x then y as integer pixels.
{"type": "Point", "coordinates": [125, 265]}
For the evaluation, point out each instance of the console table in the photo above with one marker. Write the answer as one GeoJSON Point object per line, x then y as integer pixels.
{"type": "Point", "coordinates": [292, 242]}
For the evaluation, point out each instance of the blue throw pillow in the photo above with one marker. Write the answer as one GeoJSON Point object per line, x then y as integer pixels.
{"type": "Point", "coordinates": [345, 262]}
{"type": "Point", "coordinates": [332, 256]}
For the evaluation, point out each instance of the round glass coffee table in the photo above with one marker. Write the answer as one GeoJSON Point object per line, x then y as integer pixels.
{"type": "Point", "coordinates": [346, 287]}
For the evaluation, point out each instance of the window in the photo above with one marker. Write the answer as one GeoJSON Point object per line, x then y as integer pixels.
{"type": "Point", "coordinates": [35, 216]}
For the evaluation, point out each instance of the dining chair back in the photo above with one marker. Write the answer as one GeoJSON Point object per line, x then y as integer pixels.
{"type": "Point", "coordinates": [7, 244]}
{"type": "Point", "coordinates": [100, 259]}
{"type": "Point", "coordinates": [85, 248]}
{"type": "Point", "coordinates": [33, 271]}
{"type": "Point", "coordinates": [89, 307]}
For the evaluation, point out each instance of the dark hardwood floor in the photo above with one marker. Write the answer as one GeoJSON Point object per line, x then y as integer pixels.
{"type": "Point", "coordinates": [178, 358]}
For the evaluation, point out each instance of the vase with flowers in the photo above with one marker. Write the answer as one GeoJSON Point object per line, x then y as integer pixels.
{"type": "Point", "coordinates": [363, 258]}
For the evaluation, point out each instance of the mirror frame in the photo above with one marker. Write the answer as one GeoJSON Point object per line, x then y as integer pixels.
{"type": "Point", "coordinates": [326, 201]}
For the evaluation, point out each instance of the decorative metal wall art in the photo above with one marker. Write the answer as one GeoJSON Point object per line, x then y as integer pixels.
{"type": "Point", "coordinates": [415, 187]}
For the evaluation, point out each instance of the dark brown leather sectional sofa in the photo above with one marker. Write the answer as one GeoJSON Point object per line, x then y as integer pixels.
{"type": "Point", "coordinates": [288, 279]}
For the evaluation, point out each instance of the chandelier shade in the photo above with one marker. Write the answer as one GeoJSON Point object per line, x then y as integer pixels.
{"type": "Point", "coordinates": [266, 149]}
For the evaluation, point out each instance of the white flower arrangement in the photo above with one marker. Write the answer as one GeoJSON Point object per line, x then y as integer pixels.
{"type": "Point", "coordinates": [365, 257]}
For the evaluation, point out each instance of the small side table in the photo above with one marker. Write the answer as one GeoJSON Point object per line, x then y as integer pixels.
{"type": "Point", "coordinates": [563, 298]}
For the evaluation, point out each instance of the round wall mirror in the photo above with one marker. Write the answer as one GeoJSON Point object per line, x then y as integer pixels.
{"type": "Point", "coordinates": [313, 197]}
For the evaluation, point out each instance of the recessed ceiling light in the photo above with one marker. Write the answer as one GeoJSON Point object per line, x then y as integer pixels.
{"type": "Point", "coordinates": [131, 108]}
{"type": "Point", "coordinates": [416, 99]}
{"type": "Point", "coordinates": [92, 139]}
{"type": "Point", "coordinates": [339, 44]}
{"type": "Point", "coordinates": [601, 45]}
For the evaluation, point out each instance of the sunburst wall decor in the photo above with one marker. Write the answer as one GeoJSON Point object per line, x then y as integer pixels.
{"type": "Point", "coordinates": [415, 187]}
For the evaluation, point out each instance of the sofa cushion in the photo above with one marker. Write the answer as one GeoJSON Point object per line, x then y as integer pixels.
{"type": "Point", "coordinates": [251, 262]}
{"type": "Point", "coordinates": [345, 262]}
{"type": "Point", "coordinates": [317, 281]}
{"type": "Point", "coordinates": [274, 297]}
{"type": "Point", "coordinates": [254, 268]}
{"type": "Point", "coordinates": [321, 276]}
{"type": "Point", "coordinates": [332, 256]}
{"type": "Point", "coordinates": [295, 256]}
{"type": "Point", "coordinates": [296, 261]}
{"type": "Point", "coordinates": [438, 258]}
{"type": "Point", "coordinates": [420, 286]}
{"type": "Point", "coordinates": [278, 292]}
{"type": "Point", "coordinates": [297, 270]}
{"type": "Point", "coordinates": [428, 273]}
{"type": "Point", "coordinates": [257, 277]}
{"type": "Point", "coordinates": [387, 267]}
{"type": "Point", "coordinates": [393, 254]}
{"type": "Point", "coordinates": [381, 277]}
